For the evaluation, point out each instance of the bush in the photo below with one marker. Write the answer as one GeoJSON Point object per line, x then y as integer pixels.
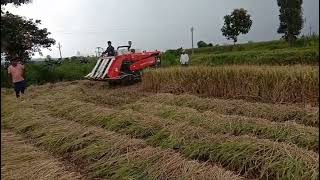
{"type": "Point", "coordinates": [202, 44]}
{"type": "Point", "coordinates": [44, 73]}
{"type": "Point", "coordinates": [4, 78]}
{"type": "Point", "coordinates": [169, 59]}
{"type": "Point", "coordinates": [40, 74]}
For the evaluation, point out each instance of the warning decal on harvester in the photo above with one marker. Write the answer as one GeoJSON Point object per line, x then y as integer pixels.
{"type": "Point", "coordinates": [101, 68]}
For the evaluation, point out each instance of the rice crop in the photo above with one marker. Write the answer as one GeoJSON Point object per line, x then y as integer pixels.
{"type": "Point", "coordinates": [294, 84]}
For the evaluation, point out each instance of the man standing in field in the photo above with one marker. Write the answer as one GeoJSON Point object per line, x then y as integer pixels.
{"type": "Point", "coordinates": [184, 58]}
{"type": "Point", "coordinates": [17, 73]}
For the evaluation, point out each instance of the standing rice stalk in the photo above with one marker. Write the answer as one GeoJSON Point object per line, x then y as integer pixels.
{"type": "Point", "coordinates": [294, 84]}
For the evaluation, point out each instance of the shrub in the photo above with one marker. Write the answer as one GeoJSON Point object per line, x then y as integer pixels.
{"type": "Point", "coordinates": [169, 59]}
{"type": "Point", "coordinates": [43, 72]}
{"type": "Point", "coordinates": [4, 78]}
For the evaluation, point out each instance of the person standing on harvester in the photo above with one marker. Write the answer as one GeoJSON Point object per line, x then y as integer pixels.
{"type": "Point", "coordinates": [184, 58]}
{"type": "Point", "coordinates": [110, 50]}
{"type": "Point", "coordinates": [17, 73]}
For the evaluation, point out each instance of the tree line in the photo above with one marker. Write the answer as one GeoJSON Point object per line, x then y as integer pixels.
{"type": "Point", "coordinates": [239, 22]}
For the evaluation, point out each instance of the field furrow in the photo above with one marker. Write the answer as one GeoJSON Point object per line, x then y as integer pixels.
{"type": "Point", "coordinates": [278, 113]}
{"type": "Point", "coordinates": [92, 126]}
{"type": "Point", "coordinates": [21, 160]}
{"type": "Point", "coordinates": [305, 137]}
{"type": "Point", "coordinates": [247, 155]}
{"type": "Point", "coordinates": [113, 98]}
{"type": "Point", "coordinates": [101, 153]}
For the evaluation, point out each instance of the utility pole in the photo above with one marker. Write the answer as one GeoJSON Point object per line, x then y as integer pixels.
{"type": "Point", "coordinates": [192, 29]}
{"type": "Point", "coordinates": [304, 40]}
{"type": "Point", "coordinates": [310, 30]}
{"type": "Point", "coordinates": [59, 46]}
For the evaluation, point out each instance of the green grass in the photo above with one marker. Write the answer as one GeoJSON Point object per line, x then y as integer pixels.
{"type": "Point", "coordinates": [169, 59]}
{"type": "Point", "coordinates": [278, 52]}
{"type": "Point", "coordinates": [286, 56]}
{"type": "Point", "coordinates": [311, 42]}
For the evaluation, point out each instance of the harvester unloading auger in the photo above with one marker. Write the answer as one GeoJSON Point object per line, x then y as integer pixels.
{"type": "Point", "coordinates": [125, 67]}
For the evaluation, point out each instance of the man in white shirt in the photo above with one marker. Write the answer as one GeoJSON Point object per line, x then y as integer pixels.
{"type": "Point", "coordinates": [184, 58]}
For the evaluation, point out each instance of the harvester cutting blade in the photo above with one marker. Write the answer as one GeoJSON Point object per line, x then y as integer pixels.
{"type": "Point", "coordinates": [101, 68]}
{"type": "Point", "coordinates": [91, 74]}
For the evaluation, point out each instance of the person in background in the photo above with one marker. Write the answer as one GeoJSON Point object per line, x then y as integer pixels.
{"type": "Point", "coordinates": [184, 58]}
{"type": "Point", "coordinates": [110, 50]}
{"type": "Point", "coordinates": [17, 72]}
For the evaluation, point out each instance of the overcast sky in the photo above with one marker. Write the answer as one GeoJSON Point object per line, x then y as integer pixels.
{"type": "Point", "coordinates": [82, 25]}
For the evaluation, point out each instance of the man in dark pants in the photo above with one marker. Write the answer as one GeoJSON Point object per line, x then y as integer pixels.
{"type": "Point", "coordinates": [110, 50]}
{"type": "Point", "coordinates": [17, 73]}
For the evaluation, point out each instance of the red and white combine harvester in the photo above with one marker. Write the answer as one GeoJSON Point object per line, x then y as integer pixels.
{"type": "Point", "coordinates": [125, 67]}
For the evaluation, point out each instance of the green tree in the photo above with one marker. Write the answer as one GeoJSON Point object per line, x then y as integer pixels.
{"type": "Point", "coordinates": [202, 44]}
{"type": "Point", "coordinates": [48, 60]}
{"type": "Point", "coordinates": [15, 2]}
{"type": "Point", "coordinates": [239, 22]}
{"type": "Point", "coordinates": [20, 36]}
{"type": "Point", "coordinates": [48, 57]}
{"type": "Point", "coordinates": [291, 20]}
